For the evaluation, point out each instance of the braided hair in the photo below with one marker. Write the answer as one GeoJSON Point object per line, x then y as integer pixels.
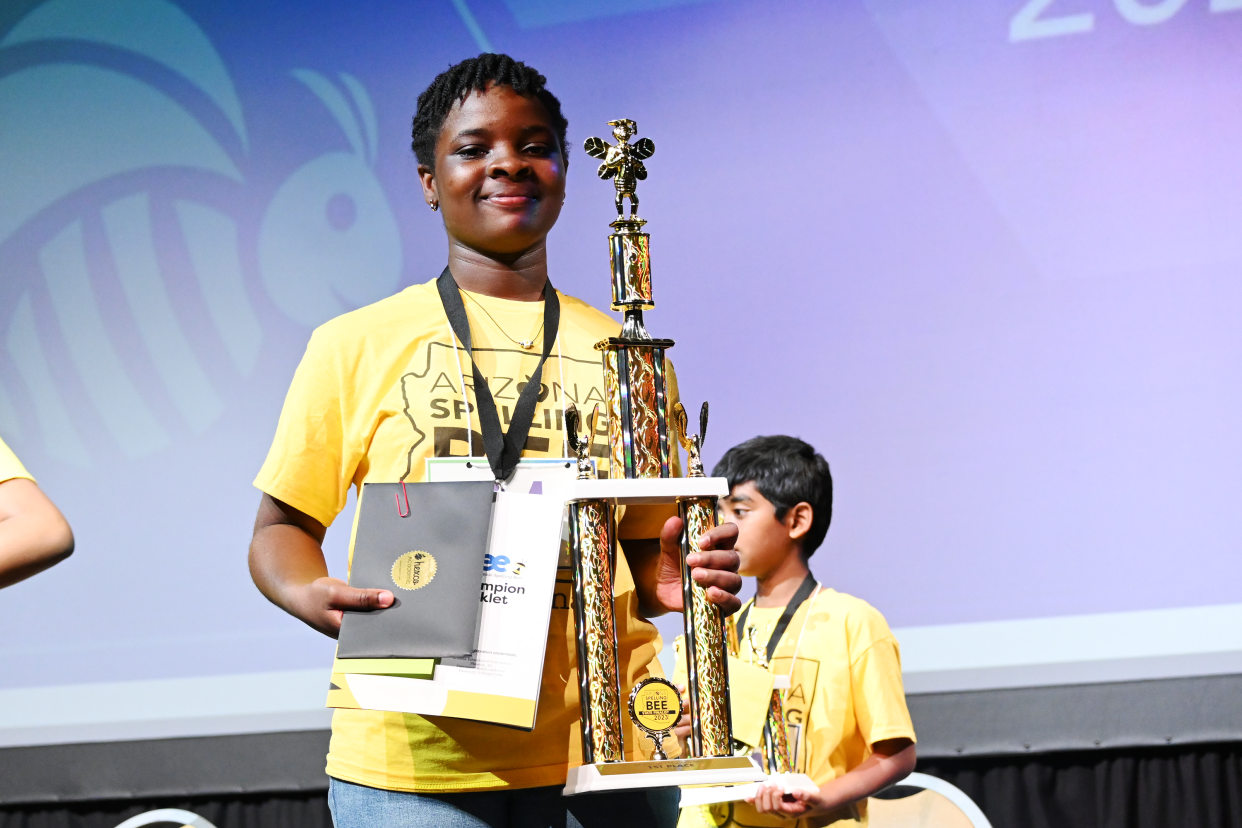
{"type": "Point", "coordinates": [475, 74]}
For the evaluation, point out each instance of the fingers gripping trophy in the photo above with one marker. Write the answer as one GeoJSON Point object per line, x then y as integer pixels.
{"type": "Point", "coordinates": [641, 430]}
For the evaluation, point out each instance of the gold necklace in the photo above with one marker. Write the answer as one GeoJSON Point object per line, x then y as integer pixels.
{"type": "Point", "coordinates": [524, 344]}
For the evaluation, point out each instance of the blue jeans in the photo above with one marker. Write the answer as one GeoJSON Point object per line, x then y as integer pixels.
{"type": "Point", "coordinates": [357, 806]}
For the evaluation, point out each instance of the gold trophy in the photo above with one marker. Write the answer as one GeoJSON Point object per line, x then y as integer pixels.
{"type": "Point", "coordinates": [776, 752]}
{"type": "Point", "coordinates": [640, 448]}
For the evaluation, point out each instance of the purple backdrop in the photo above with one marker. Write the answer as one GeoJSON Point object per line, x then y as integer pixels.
{"type": "Point", "coordinates": [984, 256]}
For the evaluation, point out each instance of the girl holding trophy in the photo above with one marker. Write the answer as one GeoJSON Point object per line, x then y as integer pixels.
{"type": "Point", "coordinates": [383, 388]}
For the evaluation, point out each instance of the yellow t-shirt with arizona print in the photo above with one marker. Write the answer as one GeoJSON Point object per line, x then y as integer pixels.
{"type": "Point", "coordinates": [378, 391]}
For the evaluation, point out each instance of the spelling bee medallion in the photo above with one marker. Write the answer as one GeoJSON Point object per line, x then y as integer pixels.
{"type": "Point", "coordinates": [655, 706]}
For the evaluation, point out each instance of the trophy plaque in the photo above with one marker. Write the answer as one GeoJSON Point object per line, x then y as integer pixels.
{"type": "Point", "coordinates": [644, 429]}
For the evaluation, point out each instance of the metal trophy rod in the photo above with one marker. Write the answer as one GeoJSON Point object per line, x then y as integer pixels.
{"type": "Point", "coordinates": [776, 749]}
{"type": "Point", "coordinates": [591, 540]}
{"type": "Point", "coordinates": [707, 663]}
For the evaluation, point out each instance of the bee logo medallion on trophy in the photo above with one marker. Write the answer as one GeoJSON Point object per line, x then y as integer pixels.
{"type": "Point", "coordinates": [644, 430]}
{"type": "Point", "coordinates": [655, 706]}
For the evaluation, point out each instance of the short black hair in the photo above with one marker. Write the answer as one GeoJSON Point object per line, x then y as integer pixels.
{"type": "Point", "coordinates": [476, 74]}
{"type": "Point", "coordinates": [787, 471]}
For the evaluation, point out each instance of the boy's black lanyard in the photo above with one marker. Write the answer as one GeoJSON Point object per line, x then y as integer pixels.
{"type": "Point", "coordinates": [503, 449]}
{"type": "Point", "coordinates": [791, 609]}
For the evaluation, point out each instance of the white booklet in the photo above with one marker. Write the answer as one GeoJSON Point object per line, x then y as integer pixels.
{"type": "Point", "coordinates": [501, 683]}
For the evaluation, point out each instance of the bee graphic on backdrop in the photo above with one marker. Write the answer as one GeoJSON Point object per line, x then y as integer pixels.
{"type": "Point", "coordinates": [130, 252]}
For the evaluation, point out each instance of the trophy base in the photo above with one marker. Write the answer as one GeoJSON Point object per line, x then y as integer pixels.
{"type": "Point", "coordinates": [693, 797]}
{"type": "Point", "coordinates": [617, 776]}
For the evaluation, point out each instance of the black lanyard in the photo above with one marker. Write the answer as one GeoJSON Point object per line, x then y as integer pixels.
{"type": "Point", "coordinates": [503, 449]}
{"type": "Point", "coordinates": [791, 609]}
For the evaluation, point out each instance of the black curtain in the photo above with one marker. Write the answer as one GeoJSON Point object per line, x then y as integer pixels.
{"type": "Point", "coordinates": [250, 811]}
{"type": "Point", "coordinates": [1193, 786]}
{"type": "Point", "coordinates": [1190, 786]}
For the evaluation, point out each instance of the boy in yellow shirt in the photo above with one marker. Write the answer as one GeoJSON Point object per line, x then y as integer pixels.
{"type": "Point", "coordinates": [845, 710]}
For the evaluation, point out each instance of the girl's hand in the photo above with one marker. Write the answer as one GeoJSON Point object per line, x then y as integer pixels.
{"type": "Point", "coordinates": [714, 567]}
{"type": "Point", "coordinates": [322, 602]}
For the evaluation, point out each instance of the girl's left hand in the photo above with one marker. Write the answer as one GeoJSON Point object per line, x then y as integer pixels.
{"type": "Point", "coordinates": [713, 567]}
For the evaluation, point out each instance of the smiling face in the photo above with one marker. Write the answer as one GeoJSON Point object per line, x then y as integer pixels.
{"type": "Point", "coordinates": [500, 173]}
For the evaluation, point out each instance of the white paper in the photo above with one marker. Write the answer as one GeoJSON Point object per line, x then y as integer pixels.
{"type": "Point", "coordinates": [515, 599]}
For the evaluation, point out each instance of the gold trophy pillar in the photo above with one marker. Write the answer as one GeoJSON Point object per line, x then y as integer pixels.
{"type": "Point", "coordinates": [591, 555]}
{"type": "Point", "coordinates": [707, 665]}
{"type": "Point", "coordinates": [777, 754]}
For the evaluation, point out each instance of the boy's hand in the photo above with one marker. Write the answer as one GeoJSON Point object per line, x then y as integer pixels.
{"type": "Point", "coordinates": [891, 761]}
{"type": "Point", "coordinates": [714, 568]}
{"type": "Point", "coordinates": [772, 799]}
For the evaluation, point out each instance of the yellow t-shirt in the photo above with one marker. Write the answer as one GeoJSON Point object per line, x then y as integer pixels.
{"type": "Point", "coordinates": [379, 391]}
{"type": "Point", "coordinates": [763, 621]}
{"type": "Point", "coordinates": [845, 695]}
{"type": "Point", "coordinates": [10, 466]}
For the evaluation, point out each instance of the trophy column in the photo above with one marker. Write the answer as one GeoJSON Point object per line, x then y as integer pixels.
{"type": "Point", "coordinates": [599, 689]}
{"type": "Point", "coordinates": [777, 754]}
{"type": "Point", "coordinates": [591, 555]}
{"type": "Point", "coordinates": [634, 376]}
{"type": "Point", "coordinates": [707, 665]}
{"type": "Point", "coordinates": [776, 736]}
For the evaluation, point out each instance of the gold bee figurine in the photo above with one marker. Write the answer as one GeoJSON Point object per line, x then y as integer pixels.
{"type": "Point", "coordinates": [623, 162]}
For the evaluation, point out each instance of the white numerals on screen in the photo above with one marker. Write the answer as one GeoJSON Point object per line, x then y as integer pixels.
{"type": "Point", "coordinates": [1147, 14]}
{"type": "Point", "coordinates": [1028, 25]}
{"type": "Point", "coordinates": [1035, 20]}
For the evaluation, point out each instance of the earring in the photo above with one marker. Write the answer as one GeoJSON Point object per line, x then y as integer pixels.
{"type": "Point", "coordinates": [435, 205]}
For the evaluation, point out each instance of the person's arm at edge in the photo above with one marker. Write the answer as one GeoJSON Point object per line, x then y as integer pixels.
{"type": "Point", "coordinates": [34, 535]}
{"type": "Point", "coordinates": [656, 567]}
{"type": "Point", "coordinates": [288, 567]}
{"type": "Point", "coordinates": [891, 761]}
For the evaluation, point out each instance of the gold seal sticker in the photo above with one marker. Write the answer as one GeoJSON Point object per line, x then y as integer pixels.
{"type": "Point", "coordinates": [414, 569]}
{"type": "Point", "coordinates": [655, 705]}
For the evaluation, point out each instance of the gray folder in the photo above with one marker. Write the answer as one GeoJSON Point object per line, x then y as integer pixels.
{"type": "Point", "coordinates": [431, 561]}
